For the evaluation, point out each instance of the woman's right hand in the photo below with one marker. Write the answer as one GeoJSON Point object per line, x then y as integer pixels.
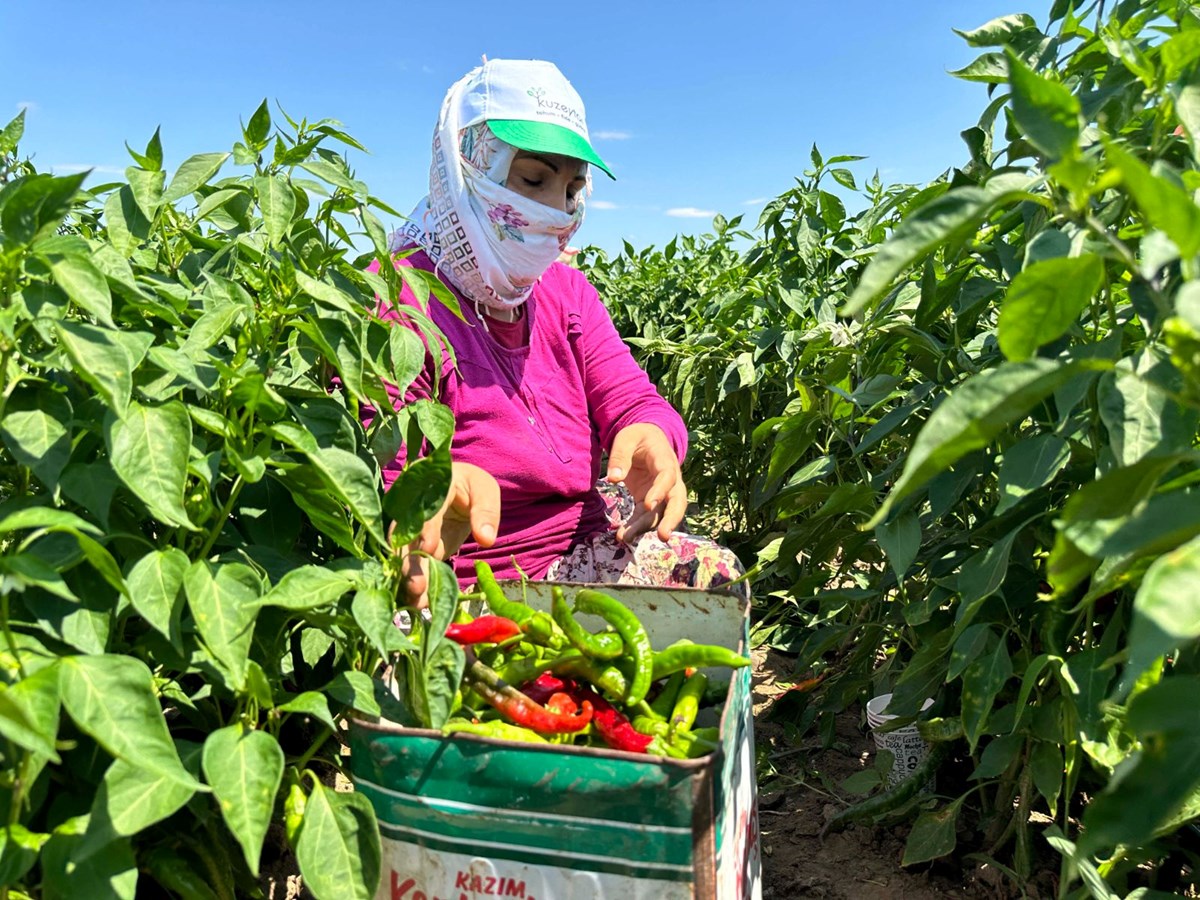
{"type": "Point", "coordinates": [472, 507]}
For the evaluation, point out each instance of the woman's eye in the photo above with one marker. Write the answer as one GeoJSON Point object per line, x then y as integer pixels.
{"type": "Point", "coordinates": [531, 183]}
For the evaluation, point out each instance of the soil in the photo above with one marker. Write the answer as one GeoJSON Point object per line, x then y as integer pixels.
{"type": "Point", "coordinates": [799, 792]}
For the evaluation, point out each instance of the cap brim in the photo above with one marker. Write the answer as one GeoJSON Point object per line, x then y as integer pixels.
{"type": "Point", "coordinates": [542, 137]}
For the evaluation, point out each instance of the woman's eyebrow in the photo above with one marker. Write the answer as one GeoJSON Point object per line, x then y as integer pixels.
{"type": "Point", "coordinates": [542, 159]}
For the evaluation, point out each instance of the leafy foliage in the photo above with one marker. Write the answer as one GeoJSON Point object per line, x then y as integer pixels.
{"type": "Point", "coordinates": [957, 430]}
{"type": "Point", "coordinates": [196, 576]}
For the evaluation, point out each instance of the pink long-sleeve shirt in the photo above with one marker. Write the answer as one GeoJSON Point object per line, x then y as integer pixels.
{"type": "Point", "coordinates": [539, 414]}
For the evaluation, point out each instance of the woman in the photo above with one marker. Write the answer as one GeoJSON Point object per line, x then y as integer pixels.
{"type": "Point", "coordinates": [544, 385]}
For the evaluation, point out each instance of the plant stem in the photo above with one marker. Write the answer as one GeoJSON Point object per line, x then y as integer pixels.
{"type": "Point", "coordinates": [226, 509]}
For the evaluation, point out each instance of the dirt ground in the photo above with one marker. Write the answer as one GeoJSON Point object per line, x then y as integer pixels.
{"type": "Point", "coordinates": [799, 793]}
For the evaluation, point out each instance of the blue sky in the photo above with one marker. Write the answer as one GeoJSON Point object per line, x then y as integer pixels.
{"type": "Point", "coordinates": [698, 107]}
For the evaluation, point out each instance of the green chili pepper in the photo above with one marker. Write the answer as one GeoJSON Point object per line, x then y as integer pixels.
{"type": "Point", "coordinates": [678, 657]}
{"type": "Point", "coordinates": [540, 629]}
{"type": "Point", "coordinates": [494, 595]}
{"type": "Point", "coordinates": [665, 701]}
{"type": "Point", "coordinates": [687, 704]}
{"type": "Point", "coordinates": [696, 743]}
{"type": "Point", "coordinates": [520, 670]}
{"type": "Point", "coordinates": [637, 642]}
{"type": "Point", "coordinates": [598, 646]}
{"type": "Point", "coordinates": [609, 678]}
{"type": "Point", "coordinates": [660, 747]}
{"type": "Point", "coordinates": [877, 805]}
{"type": "Point", "coordinates": [652, 726]}
{"type": "Point", "coordinates": [496, 729]}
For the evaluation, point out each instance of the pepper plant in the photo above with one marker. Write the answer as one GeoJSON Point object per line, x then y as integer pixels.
{"type": "Point", "coordinates": [976, 478]}
{"type": "Point", "coordinates": [197, 568]}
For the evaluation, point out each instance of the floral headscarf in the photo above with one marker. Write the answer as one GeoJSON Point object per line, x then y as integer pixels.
{"type": "Point", "coordinates": [492, 243]}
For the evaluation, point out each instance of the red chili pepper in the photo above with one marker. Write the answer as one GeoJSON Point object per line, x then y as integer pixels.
{"type": "Point", "coordinates": [563, 704]}
{"type": "Point", "coordinates": [614, 728]}
{"type": "Point", "coordinates": [484, 630]}
{"type": "Point", "coordinates": [520, 708]}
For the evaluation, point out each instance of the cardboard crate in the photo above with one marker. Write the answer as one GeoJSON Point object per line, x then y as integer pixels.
{"type": "Point", "coordinates": [466, 817]}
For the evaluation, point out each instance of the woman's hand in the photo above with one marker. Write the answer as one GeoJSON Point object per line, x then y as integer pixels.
{"type": "Point", "coordinates": [472, 507]}
{"type": "Point", "coordinates": [643, 458]}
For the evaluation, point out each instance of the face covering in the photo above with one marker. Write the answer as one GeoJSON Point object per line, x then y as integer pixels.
{"type": "Point", "coordinates": [491, 243]}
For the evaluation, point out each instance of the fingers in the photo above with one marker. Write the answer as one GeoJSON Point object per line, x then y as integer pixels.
{"type": "Point", "coordinates": [483, 504]}
{"type": "Point", "coordinates": [620, 457]}
{"type": "Point", "coordinates": [675, 509]}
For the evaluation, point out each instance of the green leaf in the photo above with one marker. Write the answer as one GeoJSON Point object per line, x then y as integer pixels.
{"type": "Point", "coordinates": [1138, 410]}
{"type": "Point", "coordinates": [148, 447]}
{"type": "Point", "coordinates": [84, 284]}
{"type": "Point", "coordinates": [19, 848]}
{"type": "Point", "coordinates": [147, 187]}
{"type": "Point", "coordinates": [1046, 765]}
{"type": "Point", "coordinates": [332, 296]}
{"type": "Point", "coordinates": [933, 835]}
{"type": "Point", "coordinates": [1166, 610]}
{"type": "Point", "coordinates": [1044, 301]}
{"type": "Point", "coordinates": [998, 755]}
{"type": "Point", "coordinates": [36, 204]}
{"type": "Point", "coordinates": [110, 875]}
{"type": "Point", "coordinates": [307, 587]}
{"type": "Point", "coordinates": [154, 583]}
{"type": "Point", "coordinates": [128, 800]}
{"type": "Point", "coordinates": [900, 540]}
{"type": "Point", "coordinates": [417, 495]}
{"type": "Point", "coordinates": [355, 690]}
{"type": "Point", "coordinates": [982, 681]}
{"type": "Point", "coordinates": [967, 648]}
{"type": "Point", "coordinates": [245, 770]}
{"type": "Point", "coordinates": [29, 712]}
{"type": "Point", "coordinates": [224, 603]}
{"type": "Point", "coordinates": [354, 484]}
{"type": "Point", "coordinates": [112, 699]}
{"type": "Point", "coordinates": [127, 225]}
{"type": "Point", "coordinates": [949, 217]}
{"type": "Point", "coordinates": [10, 137]}
{"type": "Point", "coordinates": [100, 359]}
{"type": "Point", "coordinates": [974, 413]}
{"type": "Point", "coordinates": [311, 703]}
{"type": "Point", "coordinates": [1168, 207]}
{"type": "Point", "coordinates": [1046, 111]}
{"type": "Point", "coordinates": [195, 172]}
{"type": "Point", "coordinates": [374, 611]}
{"type": "Point", "coordinates": [998, 31]}
{"type": "Point", "coordinates": [408, 357]}
{"type": "Point", "coordinates": [278, 205]}
{"type": "Point", "coordinates": [40, 438]}
{"type": "Point", "coordinates": [338, 848]}
{"type": "Point", "coordinates": [1131, 809]}
{"type": "Point", "coordinates": [988, 68]}
{"type": "Point", "coordinates": [1028, 466]}
{"type": "Point", "coordinates": [981, 575]}
{"type": "Point", "coordinates": [327, 171]}
{"type": "Point", "coordinates": [443, 675]}
{"type": "Point", "coordinates": [259, 129]}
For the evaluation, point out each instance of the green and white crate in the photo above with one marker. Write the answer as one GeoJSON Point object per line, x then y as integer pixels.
{"type": "Point", "coordinates": [468, 817]}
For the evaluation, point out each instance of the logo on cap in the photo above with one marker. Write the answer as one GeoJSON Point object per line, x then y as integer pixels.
{"type": "Point", "coordinates": [553, 106]}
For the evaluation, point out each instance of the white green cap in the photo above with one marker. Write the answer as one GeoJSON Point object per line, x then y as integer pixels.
{"type": "Point", "coordinates": [530, 104]}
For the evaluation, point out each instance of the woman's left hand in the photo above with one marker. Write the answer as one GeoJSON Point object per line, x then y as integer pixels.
{"type": "Point", "coordinates": [643, 458]}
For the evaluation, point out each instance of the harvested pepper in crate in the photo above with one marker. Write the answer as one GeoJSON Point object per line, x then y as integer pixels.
{"type": "Point", "coordinates": [518, 707]}
{"type": "Point", "coordinates": [484, 630]}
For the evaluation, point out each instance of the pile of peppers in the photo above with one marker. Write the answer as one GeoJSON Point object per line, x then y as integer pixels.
{"type": "Point", "coordinates": [538, 677]}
